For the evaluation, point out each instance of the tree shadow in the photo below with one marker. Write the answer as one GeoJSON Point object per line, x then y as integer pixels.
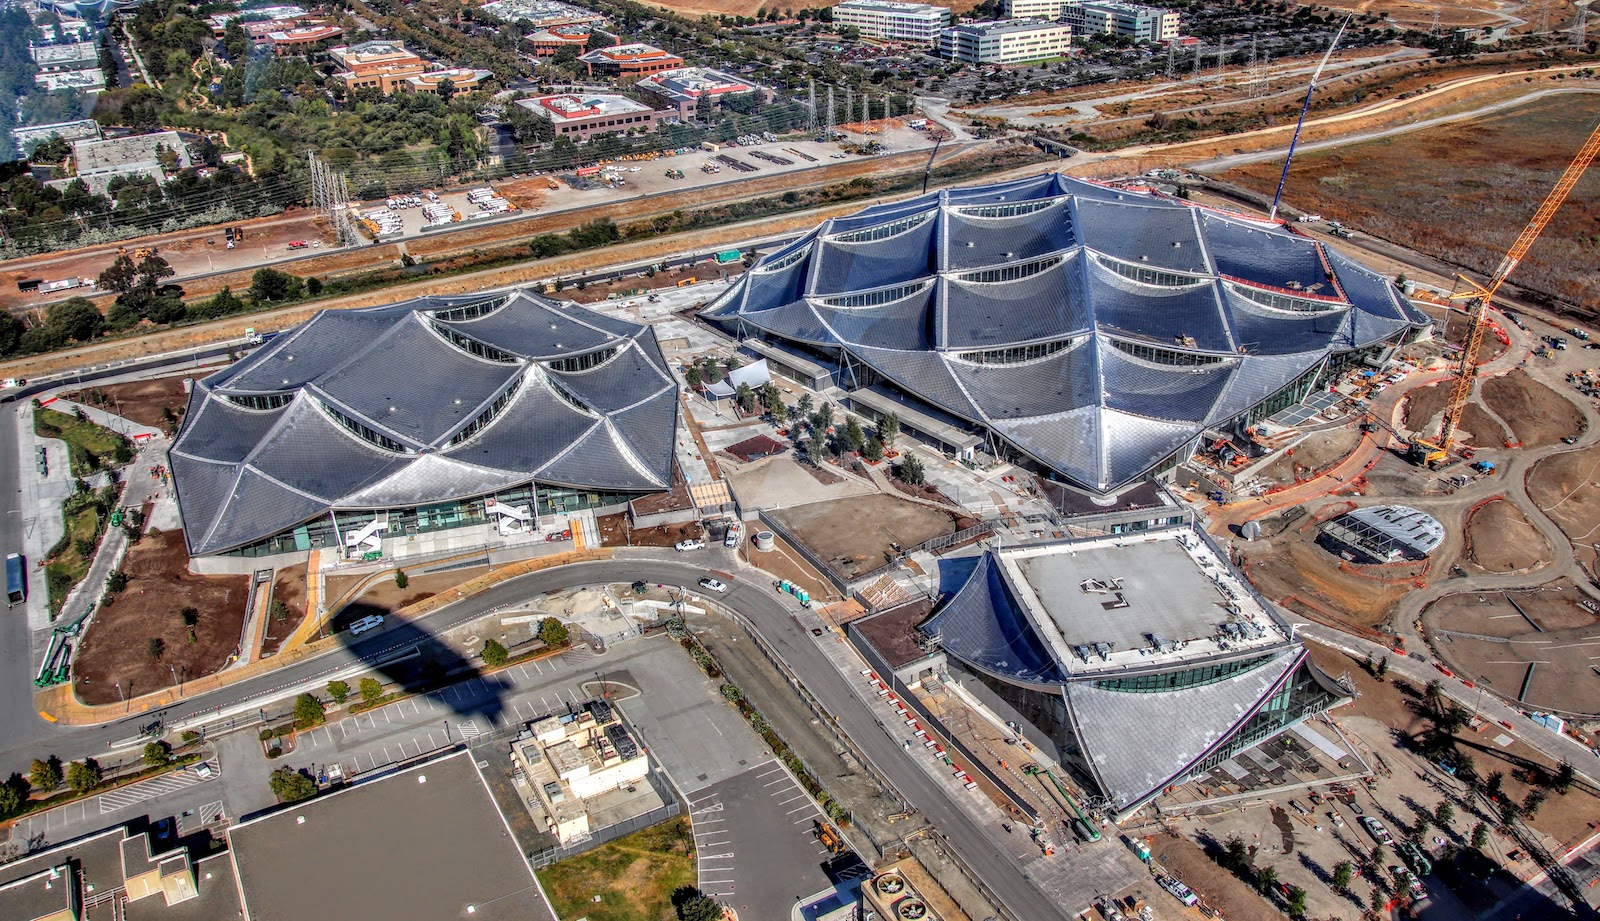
{"type": "Point", "coordinates": [421, 662]}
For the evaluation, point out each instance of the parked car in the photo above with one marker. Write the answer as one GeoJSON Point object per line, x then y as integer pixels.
{"type": "Point", "coordinates": [714, 585]}
{"type": "Point", "coordinates": [693, 543]}
{"type": "Point", "coordinates": [370, 622]}
{"type": "Point", "coordinates": [1376, 830]}
{"type": "Point", "coordinates": [732, 540]}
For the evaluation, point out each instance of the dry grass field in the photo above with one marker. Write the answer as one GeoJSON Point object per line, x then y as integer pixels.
{"type": "Point", "coordinates": [1464, 191]}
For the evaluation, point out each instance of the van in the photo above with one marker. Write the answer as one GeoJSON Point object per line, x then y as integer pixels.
{"type": "Point", "coordinates": [371, 621]}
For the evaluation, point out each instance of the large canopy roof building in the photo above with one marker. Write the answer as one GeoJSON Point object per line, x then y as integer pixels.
{"type": "Point", "coordinates": [1144, 660]}
{"type": "Point", "coordinates": [422, 417]}
{"type": "Point", "coordinates": [1087, 331]}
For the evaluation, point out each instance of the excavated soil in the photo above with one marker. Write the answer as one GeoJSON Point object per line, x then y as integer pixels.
{"type": "Point", "coordinates": [1500, 539]}
{"type": "Point", "coordinates": [288, 587]}
{"type": "Point", "coordinates": [1537, 415]}
{"type": "Point", "coordinates": [116, 646]}
{"type": "Point", "coordinates": [1425, 404]}
{"type": "Point", "coordinates": [1299, 574]}
{"type": "Point", "coordinates": [1317, 452]}
{"type": "Point", "coordinates": [140, 401]}
{"type": "Point", "coordinates": [859, 534]}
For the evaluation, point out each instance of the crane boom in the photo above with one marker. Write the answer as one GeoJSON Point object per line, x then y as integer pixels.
{"type": "Point", "coordinates": [1461, 388]}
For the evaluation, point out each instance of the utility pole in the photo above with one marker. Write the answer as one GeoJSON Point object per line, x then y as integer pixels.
{"type": "Point", "coordinates": [1172, 52]}
{"type": "Point", "coordinates": [1580, 25]}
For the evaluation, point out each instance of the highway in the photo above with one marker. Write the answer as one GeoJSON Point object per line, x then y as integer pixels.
{"type": "Point", "coordinates": [30, 738]}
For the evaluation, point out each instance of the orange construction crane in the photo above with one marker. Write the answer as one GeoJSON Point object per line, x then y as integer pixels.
{"type": "Point", "coordinates": [1481, 295]}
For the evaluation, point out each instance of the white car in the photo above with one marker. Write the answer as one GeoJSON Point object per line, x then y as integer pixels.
{"type": "Point", "coordinates": [1376, 830]}
{"type": "Point", "coordinates": [370, 622]}
{"type": "Point", "coordinates": [732, 540]}
{"type": "Point", "coordinates": [714, 585]}
{"type": "Point", "coordinates": [693, 543]}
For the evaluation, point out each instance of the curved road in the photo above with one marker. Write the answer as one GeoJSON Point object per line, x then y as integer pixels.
{"type": "Point", "coordinates": [765, 609]}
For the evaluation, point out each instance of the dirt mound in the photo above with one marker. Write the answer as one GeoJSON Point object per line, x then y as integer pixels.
{"type": "Point", "coordinates": [1500, 539]}
{"type": "Point", "coordinates": [1301, 575]}
{"type": "Point", "coordinates": [1538, 415]}
{"type": "Point", "coordinates": [1423, 407]}
{"type": "Point", "coordinates": [116, 647]}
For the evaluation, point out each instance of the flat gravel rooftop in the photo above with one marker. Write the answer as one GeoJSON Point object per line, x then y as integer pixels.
{"type": "Point", "coordinates": [1165, 593]}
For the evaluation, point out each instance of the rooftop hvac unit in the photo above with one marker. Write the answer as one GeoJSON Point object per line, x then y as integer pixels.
{"type": "Point", "coordinates": [889, 884]}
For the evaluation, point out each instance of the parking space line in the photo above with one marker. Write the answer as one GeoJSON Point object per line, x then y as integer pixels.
{"type": "Point", "coordinates": [807, 818]}
{"type": "Point", "coordinates": [797, 809]}
{"type": "Point", "coordinates": [431, 743]}
{"type": "Point", "coordinates": [791, 799]}
{"type": "Point", "coordinates": [773, 783]}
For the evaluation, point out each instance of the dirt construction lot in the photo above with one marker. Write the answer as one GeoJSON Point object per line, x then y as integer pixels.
{"type": "Point", "coordinates": [141, 401]}
{"type": "Point", "coordinates": [1500, 539]}
{"type": "Point", "coordinates": [116, 647]}
{"type": "Point", "coordinates": [857, 535]}
{"type": "Point", "coordinates": [1564, 485]}
{"type": "Point", "coordinates": [1538, 416]}
{"type": "Point", "coordinates": [1425, 404]}
{"type": "Point", "coordinates": [1293, 570]}
{"type": "Point", "coordinates": [1483, 635]}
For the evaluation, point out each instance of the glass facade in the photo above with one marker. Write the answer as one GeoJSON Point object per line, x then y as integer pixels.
{"type": "Point", "coordinates": [261, 400]}
{"type": "Point", "coordinates": [1289, 302]}
{"type": "Point", "coordinates": [875, 298]}
{"type": "Point", "coordinates": [1144, 275]}
{"type": "Point", "coordinates": [324, 531]}
{"type": "Point", "coordinates": [1012, 209]}
{"type": "Point", "coordinates": [882, 231]}
{"type": "Point", "coordinates": [1177, 681]}
{"type": "Point", "coordinates": [1162, 356]}
{"type": "Point", "coordinates": [1017, 355]}
{"type": "Point", "coordinates": [1010, 272]}
{"type": "Point", "coordinates": [1305, 693]}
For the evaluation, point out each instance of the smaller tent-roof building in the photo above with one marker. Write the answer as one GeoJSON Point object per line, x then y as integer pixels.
{"type": "Point", "coordinates": [1385, 534]}
{"type": "Point", "coordinates": [421, 417]}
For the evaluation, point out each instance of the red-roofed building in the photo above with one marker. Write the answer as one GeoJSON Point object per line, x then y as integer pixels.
{"type": "Point", "coordinates": [546, 42]}
{"type": "Point", "coordinates": [293, 41]}
{"type": "Point", "coordinates": [633, 60]}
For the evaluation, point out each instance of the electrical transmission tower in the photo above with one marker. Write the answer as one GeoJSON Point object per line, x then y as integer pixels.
{"type": "Point", "coordinates": [1580, 25]}
{"type": "Point", "coordinates": [330, 195]}
{"type": "Point", "coordinates": [1433, 30]}
{"type": "Point", "coordinates": [827, 125]}
{"type": "Point", "coordinates": [1172, 51]}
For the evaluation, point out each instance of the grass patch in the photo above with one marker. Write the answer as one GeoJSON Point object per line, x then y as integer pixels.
{"type": "Point", "coordinates": [86, 514]}
{"type": "Point", "coordinates": [634, 876]}
{"type": "Point", "coordinates": [92, 447]}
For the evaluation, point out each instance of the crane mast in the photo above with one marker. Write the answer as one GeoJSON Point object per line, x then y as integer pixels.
{"type": "Point", "coordinates": [1482, 295]}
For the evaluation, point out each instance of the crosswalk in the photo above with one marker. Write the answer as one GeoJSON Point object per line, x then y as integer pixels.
{"type": "Point", "coordinates": [137, 793]}
{"type": "Point", "coordinates": [469, 729]}
{"type": "Point", "coordinates": [209, 814]}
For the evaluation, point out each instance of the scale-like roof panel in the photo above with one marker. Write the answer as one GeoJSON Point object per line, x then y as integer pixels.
{"type": "Point", "coordinates": [393, 412]}
{"type": "Point", "coordinates": [983, 625]}
{"type": "Point", "coordinates": [1022, 269]}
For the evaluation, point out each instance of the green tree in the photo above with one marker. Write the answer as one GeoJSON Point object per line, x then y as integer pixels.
{"type": "Point", "coordinates": [308, 711]}
{"type": "Point", "coordinates": [693, 905]}
{"type": "Point", "coordinates": [553, 632]}
{"type": "Point", "coordinates": [120, 276]}
{"type": "Point", "coordinates": [13, 799]}
{"type": "Point", "coordinates": [691, 377]}
{"type": "Point", "coordinates": [1266, 879]}
{"type": "Point", "coordinates": [495, 654]}
{"type": "Point", "coordinates": [1383, 667]}
{"type": "Point", "coordinates": [1343, 873]}
{"type": "Point", "coordinates": [731, 693]}
{"type": "Point", "coordinates": [291, 786]}
{"type": "Point", "coordinates": [1480, 836]}
{"type": "Point", "coordinates": [156, 754]}
{"type": "Point", "coordinates": [1423, 823]}
{"type": "Point", "coordinates": [873, 450]}
{"type": "Point", "coordinates": [1444, 814]}
{"type": "Point", "coordinates": [191, 617]}
{"type": "Point", "coordinates": [45, 774]}
{"type": "Point", "coordinates": [852, 438]}
{"type": "Point", "coordinates": [273, 285]}
{"type": "Point", "coordinates": [371, 689]}
{"type": "Point", "coordinates": [1297, 902]}
{"type": "Point", "coordinates": [75, 318]}
{"type": "Point", "coordinates": [1494, 785]}
{"type": "Point", "coordinates": [1235, 856]}
{"type": "Point", "coordinates": [83, 776]}
{"type": "Point", "coordinates": [156, 647]}
{"type": "Point", "coordinates": [1534, 799]}
{"type": "Point", "coordinates": [889, 429]}
{"type": "Point", "coordinates": [910, 470]}
{"type": "Point", "coordinates": [1565, 776]}
{"type": "Point", "coordinates": [339, 691]}
{"type": "Point", "coordinates": [116, 582]}
{"type": "Point", "coordinates": [235, 41]}
{"type": "Point", "coordinates": [401, 580]}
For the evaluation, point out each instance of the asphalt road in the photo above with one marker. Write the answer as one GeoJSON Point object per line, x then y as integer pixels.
{"type": "Point", "coordinates": [766, 610]}
{"type": "Point", "coordinates": [20, 724]}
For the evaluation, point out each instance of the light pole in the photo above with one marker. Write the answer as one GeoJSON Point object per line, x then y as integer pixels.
{"type": "Point", "coordinates": [175, 679]}
{"type": "Point", "coordinates": [123, 697]}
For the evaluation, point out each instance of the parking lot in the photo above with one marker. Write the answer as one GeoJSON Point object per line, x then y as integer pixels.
{"type": "Point", "coordinates": [755, 840]}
